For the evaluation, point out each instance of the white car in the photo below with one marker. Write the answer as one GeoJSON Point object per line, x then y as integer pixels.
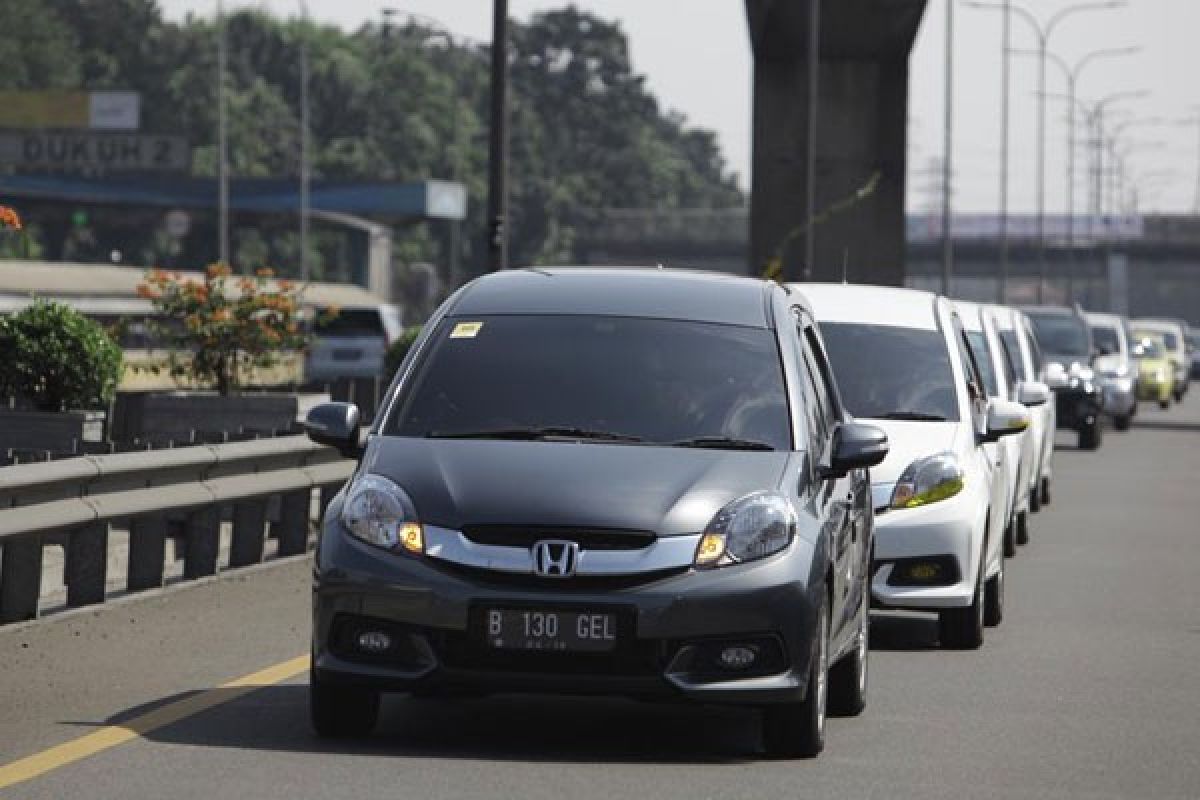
{"type": "Point", "coordinates": [1021, 346]}
{"type": "Point", "coordinates": [1114, 367]}
{"type": "Point", "coordinates": [1016, 455]}
{"type": "Point", "coordinates": [902, 360]}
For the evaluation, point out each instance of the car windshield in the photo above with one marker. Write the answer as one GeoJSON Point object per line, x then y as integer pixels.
{"type": "Point", "coordinates": [1061, 334]}
{"type": "Point", "coordinates": [887, 372]}
{"type": "Point", "coordinates": [598, 378]}
{"type": "Point", "coordinates": [1106, 339]}
{"type": "Point", "coordinates": [983, 358]}
{"type": "Point", "coordinates": [1171, 340]}
{"type": "Point", "coordinates": [1151, 347]}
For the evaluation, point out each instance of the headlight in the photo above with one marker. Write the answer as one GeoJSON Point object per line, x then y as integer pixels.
{"type": "Point", "coordinates": [928, 480]}
{"type": "Point", "coordinates": [380, 513]}
{"type": "Point", "coordinates": [750, 528]}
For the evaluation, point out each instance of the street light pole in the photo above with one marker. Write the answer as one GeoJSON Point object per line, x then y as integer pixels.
{"type": "Point", "coordinates": [222, 144]}
{"type": "Point", "coordinates": [948, 156]}
{"type": "Point", "coordinates": [1002, 289]}
{"type": "Point", "coordinates": [1043, 33]}
{"type": "Point", "coordinates": [305, 145]}
{"type": "Point", "coordinates": [498, 141]}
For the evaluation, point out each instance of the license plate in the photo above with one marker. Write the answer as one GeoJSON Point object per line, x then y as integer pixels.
{"type": "Point", "coordinates": [553, 631]}
{"type": "Point", "coordinates": [346, 354]}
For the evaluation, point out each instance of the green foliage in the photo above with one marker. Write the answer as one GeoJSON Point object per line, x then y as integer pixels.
{"type": "Point", "coordinates": [398, 103]}
{"type": "Point", "coordinates": [57, 359]}
{"type": "Point", "coordinates": [399, 350]}
{"type": "Point", "coordinates": [224, 327]}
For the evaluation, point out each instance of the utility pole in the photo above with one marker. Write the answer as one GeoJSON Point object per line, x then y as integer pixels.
{"type": "Point", "coordinates": [948, 156]}
{"type": "Point", "coordinates": [1002, 288]}
{"type": "Point", "coordinates": [305, 145]}
{"type": "Point", "coordinates": [498, 142]}
{"type": "Point", "coordinates": [810, 155]}
{"type": "Point", "coordinates": [222, 144]}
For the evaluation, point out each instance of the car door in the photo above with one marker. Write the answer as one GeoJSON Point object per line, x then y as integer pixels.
{"type": "Point", "coordinates": [839, 492]}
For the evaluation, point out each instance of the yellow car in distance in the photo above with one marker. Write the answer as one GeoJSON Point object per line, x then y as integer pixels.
{"type": "Point", "coordinates": [1156, 376]}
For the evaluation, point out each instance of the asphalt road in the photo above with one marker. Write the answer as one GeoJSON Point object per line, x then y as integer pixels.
{"type": "Point", "coordinates": [1090, 689]}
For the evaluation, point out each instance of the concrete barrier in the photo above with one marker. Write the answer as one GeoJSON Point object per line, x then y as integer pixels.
{"type": "Point", "coordinates": [73, 502]}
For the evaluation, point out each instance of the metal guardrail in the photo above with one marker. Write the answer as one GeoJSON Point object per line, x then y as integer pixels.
{"type": "Point", "coordinates": [73, 502]}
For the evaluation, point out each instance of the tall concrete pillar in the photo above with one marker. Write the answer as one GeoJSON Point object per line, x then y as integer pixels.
{"type": "Point", "coordinates": [862, 109]}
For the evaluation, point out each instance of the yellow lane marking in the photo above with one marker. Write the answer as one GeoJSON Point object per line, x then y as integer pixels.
{"type": "Point", "coordinates": [113, 735]}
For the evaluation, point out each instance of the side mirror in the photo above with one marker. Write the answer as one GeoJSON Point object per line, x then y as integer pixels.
{"type": "Point", "coordinates": [857, 446]}
{"type": "Point", "coordinates": [1004, 419]}
{"type": "Point", "coordinates": [336, 425]}
{"type": "Point", "coordinates": [1032, 393]}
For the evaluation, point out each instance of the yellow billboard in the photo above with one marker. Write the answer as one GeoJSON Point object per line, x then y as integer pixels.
{"type": "Point", "coordinates": [70, 109]}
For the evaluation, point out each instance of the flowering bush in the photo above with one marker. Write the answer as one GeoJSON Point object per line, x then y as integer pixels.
{"type": "Point", "coordinates": [57, 359]}
{"type": "Point", "coordinates": [226, 325]}
{"type": "Point", "coordinates": [9, 219]}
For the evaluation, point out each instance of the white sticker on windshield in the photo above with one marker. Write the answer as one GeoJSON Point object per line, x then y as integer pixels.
{"type": "Point", "coordinates": [466, 330]}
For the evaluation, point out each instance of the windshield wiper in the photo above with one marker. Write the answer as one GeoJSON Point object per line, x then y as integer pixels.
{"type": "Point", "coordinates": [535, 434]}
{"type": "Point", "coordinates": [915, 416]}
{"type": "Point", "coordinates": [722, 443]}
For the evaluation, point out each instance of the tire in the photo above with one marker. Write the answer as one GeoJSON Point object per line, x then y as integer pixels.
{"type": "Point", "coordinates": [1044, 486]}
{"type": "Point", "coordinates": [1123, 422]}
{"type": "Point", "coordinates": [1164, 403]}
{"type": "Point", "coordinates": [1010, 537]}
{"type": "Point", "coordinates": [993, 599]}
{"type": "Point", "coordinates": [1090, 437]}
{"type": "Point", "coordinates": [1023, 527]}
{"type": "Point", "coordinates": [848, 678]}
{"type": "Point", "coordinates": [797, 730]}
{"type": "Point", "coordinates": [1035, 500]}
{"type": "Point", "coordinates": [962, 628]}
{"type": "Point", "coordinates": [339, 712]}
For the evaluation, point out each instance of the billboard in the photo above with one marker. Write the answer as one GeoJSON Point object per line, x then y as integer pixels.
{"type": "Point", "coordinates": [100, 110]}
{"type": "Point", "coordinates": [94, 151]}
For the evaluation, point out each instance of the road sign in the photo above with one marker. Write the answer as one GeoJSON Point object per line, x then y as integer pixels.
{"type": "Point", "coordinates": [58, 108]}
{"type": "Point", "coordinates": [93, 151]}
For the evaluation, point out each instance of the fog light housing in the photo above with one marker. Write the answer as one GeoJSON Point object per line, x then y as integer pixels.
{"type": "Point", "coordinates": [737, 657]}
{"type": "Point", "coordinates": [927, 571]}
{"type": "Point", "coordinates": [373, 642]}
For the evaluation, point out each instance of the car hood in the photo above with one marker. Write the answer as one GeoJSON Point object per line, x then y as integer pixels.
{"type": "Point", "coordinates": [668, 490]}
{"type": "Point", "coordinates": [1066, 360]}
{"type": "Point", "coordinates": [908, 441]}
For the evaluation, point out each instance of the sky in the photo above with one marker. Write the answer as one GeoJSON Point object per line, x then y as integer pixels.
{"type": "Point", "coordinates": [700, 64]}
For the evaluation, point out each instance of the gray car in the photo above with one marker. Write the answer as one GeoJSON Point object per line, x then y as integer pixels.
{"type": "Point", "coordinates": [617, 482]}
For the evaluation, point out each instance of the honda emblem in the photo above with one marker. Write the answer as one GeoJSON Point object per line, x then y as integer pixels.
{"type": "Point", "coordinates": [553, 558]}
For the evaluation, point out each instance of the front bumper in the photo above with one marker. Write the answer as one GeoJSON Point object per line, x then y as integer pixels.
{"type": "Point", "coordinates": [1078, 406]}
{"type": "Point", "coordinates": [668, 625]}
{"type": "Point", "coordinates": [949, 533]}
{"type": "Point", "coordinates": [1153, 390]}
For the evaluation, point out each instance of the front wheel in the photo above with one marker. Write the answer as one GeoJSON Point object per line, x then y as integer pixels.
{"type": "Point", "coordinates": [1010, 536]}
{"type": "Point", "coordinates": [1123, 422]}
{"type": "Point", "coordinates": [1090, 437]}
{"type": "Point", "coordinates": [962, 628]}
{"type": "Point", "coordinates": [848, 678]}
{"type": "Point", "coordinates": [1023, 527]}
{"type": "Point", "coordinates": [341, 711]}
{"type": "Point", "coordinates": [993, 599]}
{"type": "Point", "coordinates": [797, 730]}
{"type": "Point", "coordinates": [1164, 403]}
{"type": "Point", "coordinates": [1044, 487]}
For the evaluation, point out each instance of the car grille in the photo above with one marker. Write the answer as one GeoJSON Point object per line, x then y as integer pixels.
{"type": "Point", "coordinates": [587, 538]}
{"type": "Point", "coordinates": [495, 579]}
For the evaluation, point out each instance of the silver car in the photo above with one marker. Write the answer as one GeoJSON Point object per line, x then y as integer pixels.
{"type": "Point", "coordinates": [1114, 367]}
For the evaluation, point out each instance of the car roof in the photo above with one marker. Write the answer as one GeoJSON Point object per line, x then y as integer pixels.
{"type": "Point", "coordinates": [1101, 318]}
{"type": "Point", "coordinates": [620, 291]}
{"type": "Point", "coordinates": [1060, 311]}
{"type": "Point", "coordinates": [1158, 325]}
{"type": "Point", "coordinates": [970, 313]}
{"type": "Point", "coordinates": [872, 305]}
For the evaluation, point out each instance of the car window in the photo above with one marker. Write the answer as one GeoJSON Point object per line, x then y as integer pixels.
{"type": "Point", "coordinates": [1171, 340]}
{"type": "Point", "coordinates": [974, 376]}
{"type": "Point", "coordinates": [1035, 351]}
{"type": "Point", "coordinates": [833, 407]}
{"type": "Point", "coordinates": [659, 380]}
{"type": "Point", "coordinates": [983, 358]}
{"type": "Point", "coordinates": [886, 371]}
{"type": "Point", "coordinates": [1106, 339]}
{"type": "Point", "coordinates": [350, 322]}
{"type": "Point", "coordinates": [1061, 334]}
